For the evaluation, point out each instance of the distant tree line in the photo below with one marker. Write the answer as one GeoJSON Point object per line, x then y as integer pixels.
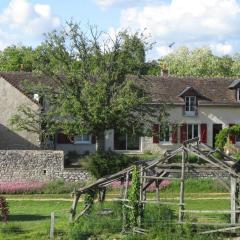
{"type": "Point", "coordinates": [199, 62]}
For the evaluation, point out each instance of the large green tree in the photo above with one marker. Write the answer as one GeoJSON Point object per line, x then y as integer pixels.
{"type": "Point", "coordinates": [200, 62]}
{"type": "Point", "coordinates": [17, 58]}
{"type": "Point", "coordinates": [88, 90]}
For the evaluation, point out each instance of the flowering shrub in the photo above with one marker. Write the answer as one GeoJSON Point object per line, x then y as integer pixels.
{"type": "Point", "coordinates": [20, 187]}
{"type": "Point", "coordinates": [4, 211]}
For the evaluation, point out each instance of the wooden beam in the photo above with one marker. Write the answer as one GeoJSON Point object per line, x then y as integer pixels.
{"type": "Point", "coordinates": [220, 230]}
{"type": "Point", "coordinates": [105, 179]}
{"type": "Point", "coordinates": [211, 211]}
{"type": "Point", "coordinates": [160, 178]}
{"type": "Point", "coordinates": [74, 206]}
{"type": "Point", "coordinates": [181, 197]}
{"type": "Point", "coordinates": [199, 153]}
{"type": "Point", "coordinates": [233, 200]}
{"type": "Point", "coordinates": [159, 202]}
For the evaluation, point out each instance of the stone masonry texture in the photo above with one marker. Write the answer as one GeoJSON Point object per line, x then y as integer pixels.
{"type": "Point", "coordinates": [36, 165]}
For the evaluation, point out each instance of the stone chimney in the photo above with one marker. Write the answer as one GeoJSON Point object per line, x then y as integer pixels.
{"type": "Point", "coordinates": [164, 70]}
{"type": "Point", "coordinates": [22, 68]}
{"type": "Point", "coordinates": [164, 73]}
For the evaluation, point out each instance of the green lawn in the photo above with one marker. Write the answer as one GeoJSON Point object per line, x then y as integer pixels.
{"type": "Point", "coordinates": [30, 219]}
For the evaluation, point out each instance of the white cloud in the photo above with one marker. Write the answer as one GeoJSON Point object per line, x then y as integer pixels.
{"type": "Point", "coordinates": [126, 3]}
{"type": "Point", "coordinates": [187, 22]}
{"type": "Point", "coordinates": [222, 48]}
{"type": "Point", "coordinates": [107, 3]}
{"type": "Point", "coordinates": [22, 20]}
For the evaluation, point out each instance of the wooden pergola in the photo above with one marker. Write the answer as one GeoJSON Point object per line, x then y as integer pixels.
{"type": "Point", "coordinates": [213, 163]}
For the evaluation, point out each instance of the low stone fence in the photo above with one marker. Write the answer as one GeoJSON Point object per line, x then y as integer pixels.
{"type": "Point", "coordinates": [36, 165]}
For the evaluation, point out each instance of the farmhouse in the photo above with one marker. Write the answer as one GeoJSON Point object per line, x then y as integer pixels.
{"type": "Point", "coordinates": [13, 96]}
{"type": "Point", "coordinates": [198, 107]}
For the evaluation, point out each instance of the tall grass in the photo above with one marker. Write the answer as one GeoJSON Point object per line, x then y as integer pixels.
{"type": "Point", "coordinates": [197, 185]}
{"type": "Point", "coordinates": [160, 221]}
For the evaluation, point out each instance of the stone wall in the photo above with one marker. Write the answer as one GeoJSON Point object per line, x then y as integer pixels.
{"type": "Point", "coordinates": [36, 165]}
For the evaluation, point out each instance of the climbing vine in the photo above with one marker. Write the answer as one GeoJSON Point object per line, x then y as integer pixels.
{"type": "Point", "coordinates": [89, 199]}
{"type": "Point", "coordinates": [222, 137]}
{"type": "Point", "coordinates": [136, 210]}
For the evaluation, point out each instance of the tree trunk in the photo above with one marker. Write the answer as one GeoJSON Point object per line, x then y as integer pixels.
{"type": "Point", "coordinates": [100, 144]}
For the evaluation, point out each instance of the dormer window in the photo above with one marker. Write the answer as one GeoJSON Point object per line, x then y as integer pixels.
{"type": "Point", "coordinates": [190, 105]}
{"type": "Point", "coordinates": [191, 96]}
{"type": "Point", "coordinates": [235, 85]}
{"type": "Point", "coordinates": [36, 97]}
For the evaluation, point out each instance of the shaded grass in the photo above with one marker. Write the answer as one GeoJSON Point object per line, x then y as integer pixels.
{"type": "Point", "coordinates": [31, 219]}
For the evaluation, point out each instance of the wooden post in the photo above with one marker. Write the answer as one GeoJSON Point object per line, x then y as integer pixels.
{"type": "Point", "coordinates": [126, 186]}
{"type": "Point", "coordinates": [122, 188]}
{"type": "Point", "coordinates": [144, 190]}
{"type": "Point", "coordinates": [141, 195]}
{"type": "Point", "coordinates": [52, 226]}
{"type": "Point", "coordinates": [125, 194]}
{"type": "Point", "coordinates": [141, 184]}
{"type": "Point", "coordinates": [181, 197]}
{"type": "Point", "coordinates": [74, 207]}
{"type": "Point", "coordinates": [233, 200]}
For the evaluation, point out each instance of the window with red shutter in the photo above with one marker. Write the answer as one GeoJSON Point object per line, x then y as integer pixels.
{"type": "Point", "coordinates": [183, 133]}
{"type": "Point", "coordinates": [155, 133]}
{"type": "Point", "coordinates": [94, 139]}
{"type": "Point", "coordinates": [174, 133]}
{"type": "Point", "coordinates": [63, 139]}
{"type": "Point", "coordinates": [232, 137]}
{"type": "Point", "coordinates": [203, 131]}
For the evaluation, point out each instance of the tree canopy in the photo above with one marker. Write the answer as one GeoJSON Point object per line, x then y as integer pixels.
{"type": "Point", "coordinates": [17, 58]}
{"type": "Point", "coordinates": [89, 91]}
{"type": "Point", "coordinates": [201, 62]}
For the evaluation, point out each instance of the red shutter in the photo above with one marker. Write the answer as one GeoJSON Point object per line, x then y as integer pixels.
{"type": "Point", "coordinates": [232, 138]}
{"type": "Point", "coordinates": [203, 133]}
{"type": "Point", "coordinates": [174, 133]}
{"type": "Point", "coordinates": [63, 139]}
{"type": "Point", "coordinates": [93, 139]}
{"type": "Point", "coordinates": [155, 133]}
{"type": "Point", "coordinates": [183, 132]}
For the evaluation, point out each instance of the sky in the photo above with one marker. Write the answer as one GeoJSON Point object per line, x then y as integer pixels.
{"type": "Point", "coordinates": [191, 23]}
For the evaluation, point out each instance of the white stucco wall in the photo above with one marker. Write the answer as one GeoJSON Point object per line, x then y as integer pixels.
{"type": "Point", "coordinates": [206, 114]}
{"type": "Point", "coordinates": [11, 99]}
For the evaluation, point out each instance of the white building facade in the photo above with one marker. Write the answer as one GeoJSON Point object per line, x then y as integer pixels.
{"type": "Point", "coordinates": [198, 107]}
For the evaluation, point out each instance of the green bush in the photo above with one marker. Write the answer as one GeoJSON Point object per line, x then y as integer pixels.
{"type": "Point", "coordinates": [191, 159]}
{"type": "Point", "coordinates": [104, 163]}
{"type": "Point", "coordinates": [59, 187]}
{"type": "Point", "coordinates": [237, 155]}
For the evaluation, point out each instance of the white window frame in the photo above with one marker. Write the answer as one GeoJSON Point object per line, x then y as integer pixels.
{"type": "Point", "coordinates": [190, 112]}
{"type": "Point", "coordinates": [80, 139]}
{"type": "Point", "coordinates": [36, 97]}
{"type": "Point", "coordinates": [238, 94]}
{"type": "Point", "coordinates": [126, 144]}
{"type": "Point", "coordinates": [193, 129]}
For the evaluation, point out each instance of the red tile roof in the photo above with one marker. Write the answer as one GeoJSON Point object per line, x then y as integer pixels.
{"type": "Point", "coordinates": [16, 79]}
{"type": "Point", "coordinates": [160, 89]}
{"type": "Point", "coordinates": [168, 89]}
